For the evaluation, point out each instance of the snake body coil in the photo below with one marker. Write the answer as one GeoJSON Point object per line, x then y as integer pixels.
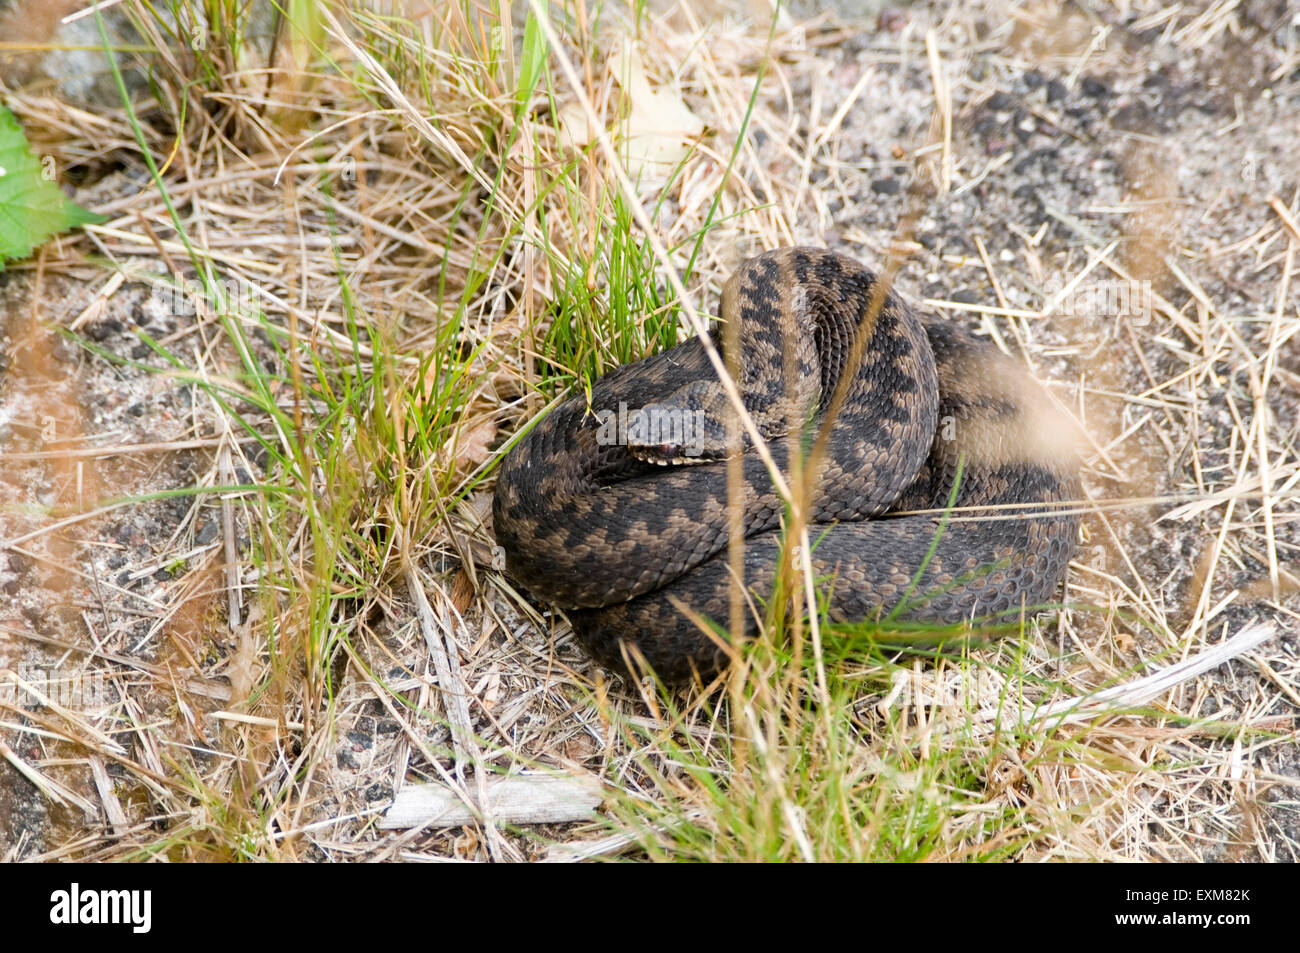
{"type": "Point", "coordinates": [617, 524]}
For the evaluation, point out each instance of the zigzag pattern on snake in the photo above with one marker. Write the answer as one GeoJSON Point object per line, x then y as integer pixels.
{"type": "Point", "coordinates": [612, 532]}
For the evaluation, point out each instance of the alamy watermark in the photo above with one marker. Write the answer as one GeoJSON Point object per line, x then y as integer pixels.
{"type": "Point", "coordinates": [183, 298]}
{"type": "Point", "coordinates": [36, 686]}
{"type": "Point", "coordinates": [970, 688]}
{"type": "Point", "coordinates": [652, 427]}
{"type": "Point", "coordinates": [79, 905]}
{"type": "Point", "coordinates": [1101, 299]}
{"type": "Point", "coordinates": [684, 429]}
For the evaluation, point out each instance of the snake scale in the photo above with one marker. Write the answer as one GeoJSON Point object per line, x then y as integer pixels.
{"type": "Point", "coordinates": [620, 526]}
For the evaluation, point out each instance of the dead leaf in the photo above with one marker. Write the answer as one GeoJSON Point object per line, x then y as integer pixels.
{"type": "Point", "coordinates": [657, 133]}
{"type": "Point", "coordinates": [462, 591]}
{"type": "Point", "coordinates": [473, 441]}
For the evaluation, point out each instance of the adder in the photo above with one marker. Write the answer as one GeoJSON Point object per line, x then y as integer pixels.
{"type": "Point", "coordinates": [623, 526]}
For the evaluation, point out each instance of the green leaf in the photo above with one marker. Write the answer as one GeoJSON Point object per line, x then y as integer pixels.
{"type": "Point", "coordinates": [32, 206]}
{"type": "Point", "coordinates": [533, 59]}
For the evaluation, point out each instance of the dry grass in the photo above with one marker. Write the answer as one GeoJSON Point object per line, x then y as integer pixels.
{"type": "Point", "coordinates": [414, 239]}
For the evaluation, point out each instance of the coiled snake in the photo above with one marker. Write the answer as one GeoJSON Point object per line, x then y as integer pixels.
{"type": "Point", "coordinates": [616, 522]}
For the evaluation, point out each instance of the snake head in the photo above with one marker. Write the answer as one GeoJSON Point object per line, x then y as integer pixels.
{"type": "Point", "coordinates": [692, 425]}
{"type": "Point", "coordinates": [668, 435]}
{"type": "Point", "coordinates": [689, 427]}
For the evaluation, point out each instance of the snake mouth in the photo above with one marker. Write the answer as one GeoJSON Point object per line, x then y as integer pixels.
{"type": "Point", "coordinates": [668, 455]}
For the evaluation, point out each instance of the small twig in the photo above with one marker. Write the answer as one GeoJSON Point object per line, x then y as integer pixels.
{"type": "Point", "coordinates": [48, 786]}
{"type": "Point", "coordinates": [1137, 692]}
{"type": "Point", "coordinates": [521, 799]}
{"type": "Point", "coordinates": [447, 664]}
{"type": "Point", "coordinates": [446, 661]}
{"type": "Point", "coordinates": [226, 474]}
{"type": "Point", "coordinates": [117, 818]}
